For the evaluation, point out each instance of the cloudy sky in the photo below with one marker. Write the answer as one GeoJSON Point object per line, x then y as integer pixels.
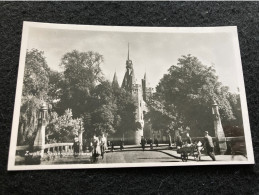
{"type": "Point", "coordinates": [152, 53]}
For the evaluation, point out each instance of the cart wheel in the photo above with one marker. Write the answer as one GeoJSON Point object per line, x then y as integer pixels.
{"type": "Point", "coordinates": [182, 157]}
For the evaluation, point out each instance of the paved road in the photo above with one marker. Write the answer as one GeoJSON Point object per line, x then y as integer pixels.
{"type": "Point", "coordinates": [136, 155]}
{"type": "Point", "coordinates": [160, 154]}
{"type": "Point", "coordinates": [133, 154]}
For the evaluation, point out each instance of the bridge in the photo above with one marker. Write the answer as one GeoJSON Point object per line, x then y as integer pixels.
{"type": "Point", "coordinates": [40, 149]}
{"type": "Point", "coordinates": [55, 148]}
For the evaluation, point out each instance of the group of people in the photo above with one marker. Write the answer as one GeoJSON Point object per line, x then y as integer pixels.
{"type": "Point", "coordinates": [143, 142]}
{"type": "Point", "coordinates": [207, 143]}
{"type": "Point", "coordinates": [112, 144]}
{"type": "Point", "coordinates": [98, 145]}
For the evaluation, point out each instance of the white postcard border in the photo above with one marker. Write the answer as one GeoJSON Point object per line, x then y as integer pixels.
{"type": "Point", "coordinates": [16, 114]}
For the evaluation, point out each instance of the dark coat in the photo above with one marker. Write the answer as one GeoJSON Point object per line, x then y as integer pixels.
{"type": "Point", "coordinates": [76, 147]}
{"type": "Point", "coordinates": [143, 141]}
{"type": "Point", "coordinates": [208, 141]}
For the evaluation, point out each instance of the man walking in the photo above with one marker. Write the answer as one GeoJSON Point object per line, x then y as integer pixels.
{"type": "Point", "coordinates": [209, 145]}
{"type": "Point", "coordinates": [143, 143]}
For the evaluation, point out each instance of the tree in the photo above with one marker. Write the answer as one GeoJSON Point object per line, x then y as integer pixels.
{"type": "Point", "coordinates": [111, 111]}
{"type": "Point", "coordinates": [100, 116]}
{"type": "Point", "coordinates": [35, 89]}
{"type": "Point", "coordinates": [55, 86]}
{"type": "Point", "coordinates": [82, 73]}
{"type": "Point", "coordinates": [234, 127]}
{"type": "Point", "coordinates": [36, 74]}
{"type": "Point", "coordinates": [190, 87]}
{"type": "Point", "coordinates": [28, 121]}
{"type": "Point", "coordinates": [126, 111]}
{"type": "Point", "coordinates": [63, 128]}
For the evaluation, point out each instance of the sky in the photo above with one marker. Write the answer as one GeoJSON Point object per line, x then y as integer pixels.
{"type": "Point", "coordinates": [152, 53]}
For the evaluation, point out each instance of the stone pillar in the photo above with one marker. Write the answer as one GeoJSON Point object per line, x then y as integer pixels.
{"type": "Point", "coordinates": [80, 137]}
{"type": "Point", "coordinates": [39, 142]}
{"type": "Point", "coordinates": [139, 132]}
{"type": "Point", "coordinates": [219, 133]}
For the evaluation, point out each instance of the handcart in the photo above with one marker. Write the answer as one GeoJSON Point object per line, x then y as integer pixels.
{"type": "Point", "coordinates": [188, 150]}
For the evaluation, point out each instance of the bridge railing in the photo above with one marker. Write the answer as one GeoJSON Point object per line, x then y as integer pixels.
{"type": "Point", "coordinates": [58, 148]}
{"type": "Point", "coordinates": [55, 148]}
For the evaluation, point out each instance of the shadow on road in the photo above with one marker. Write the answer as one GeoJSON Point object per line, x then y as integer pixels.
{"type": "Point", "coordinates": [157, 158]}
{"type": "Point", "coordinates": [177, 157]}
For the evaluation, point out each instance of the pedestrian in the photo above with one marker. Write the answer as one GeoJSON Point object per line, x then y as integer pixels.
{"type": "Point", "coordinates": [179, 141]}
{"type": "Point", "coordinates": [151, 143]}
{"type": "Point", "coordinates": [76, 147]}
{"type": "Point", "coordinates": [143, 143]}
{"type": "Point", "coordinates": [156, 142]}
{"type": "Point", "coordinates": [102, 147]}
{"type": "Point", "coordinates": [96, 149]}
{"type": "Point", "coordinates": [208, 143]}
{"type": "Point", "coordinates": [112, 146]}
{"type": "Point", "coordinates": [121, 144]}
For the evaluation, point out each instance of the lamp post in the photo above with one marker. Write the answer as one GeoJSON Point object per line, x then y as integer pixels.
{"type": "Point", "coordinates": [219, 133]}
{"type": "Point", "coordinates": [80, 136]}
{"type": "Point", "coordinates": [39, 142]}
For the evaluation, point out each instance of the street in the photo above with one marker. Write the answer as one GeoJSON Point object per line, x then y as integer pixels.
{"type": "Point", "coordinates": [136, 155]}
{"type": "Point", "coordinates": [158, 154]}
{"type": "Point", "coordinates": [133, 154]}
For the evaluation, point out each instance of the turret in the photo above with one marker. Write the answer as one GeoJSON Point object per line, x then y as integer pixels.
{"type": "Point", "coordinates": [115, 83]}
{"type": "Point", "coordinates": [129, 77]}
{"type": "Point", "coordinates": [147, 90]}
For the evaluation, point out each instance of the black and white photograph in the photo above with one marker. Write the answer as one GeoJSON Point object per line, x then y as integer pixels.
{"type": "Point", "coordinates": [113, 96]}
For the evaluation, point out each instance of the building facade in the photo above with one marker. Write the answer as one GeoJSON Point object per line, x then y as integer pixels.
{"type": "Point", "coordinates": [141, 93]}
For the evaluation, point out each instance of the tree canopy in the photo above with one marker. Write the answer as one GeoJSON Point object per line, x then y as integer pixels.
{"type": "Point", "coordinates": [81, 74]}
{"type": "Point", "coordinates": [78, 93]}
{"type": "Point", "coordinates": [36, 74]}
{"type": "Point", "coordinates": [80, 98]}
{"type": "Point", "coordinates": [35, 89]}
{"type": "Point", "coordinates": [190, 87]}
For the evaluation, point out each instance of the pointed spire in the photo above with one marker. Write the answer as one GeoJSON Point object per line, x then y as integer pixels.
{"type": "Point", "coordinates": [115, 83]}
{"type": "Point", "coordinates": [147, 84]}
{"type": "Point", "coordinates": [129, 77]}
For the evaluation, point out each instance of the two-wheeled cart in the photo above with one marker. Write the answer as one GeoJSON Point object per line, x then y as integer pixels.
{"type": "Point", "coordinates": [189, 150]}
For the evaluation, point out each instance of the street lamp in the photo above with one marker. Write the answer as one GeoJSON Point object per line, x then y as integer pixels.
{"type": "Point", "coordinates": [39, 142]}
{"type": "Point", "coordinates": [80, 136]}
